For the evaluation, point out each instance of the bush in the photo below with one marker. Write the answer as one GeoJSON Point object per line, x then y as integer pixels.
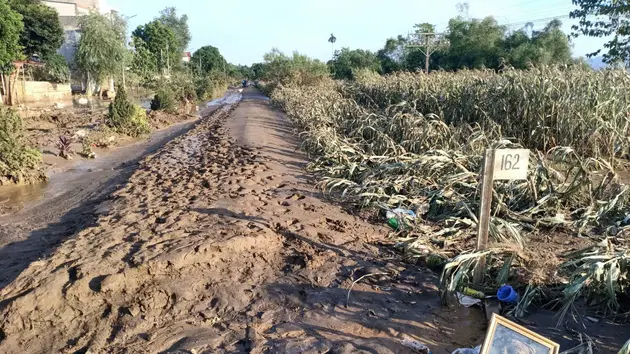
{"type": "Point", "coordinates": [55, 70]}
{"type": "Point", "coordinates": [126, 117]}
{"type": "Point", "coordinates": [297, 69]}
{"type": "Point", "coordinates": [183, 87]}
{"type": "Point", "coordinates": [18, 163]}
{"type": "Point", "coordinates": [187, 94]}
{"type": "Point", "coordinates": [164, 100]}
{"type": "Point", "coordinates": [211, 86]}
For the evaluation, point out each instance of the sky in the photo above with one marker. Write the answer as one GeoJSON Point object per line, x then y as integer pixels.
{"type": "Point", "coordinates": [244, 30]}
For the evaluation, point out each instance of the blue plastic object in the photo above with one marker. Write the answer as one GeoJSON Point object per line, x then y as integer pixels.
{"type": "Point", "coordinates": [507, 294]}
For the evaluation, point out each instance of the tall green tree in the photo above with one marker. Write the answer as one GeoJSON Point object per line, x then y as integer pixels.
{"type": "Point", "coordinates": [474, 43]}
{"type": "Point", "coordinates": [143, 62]}
{"type": "Point", "coordinates": [243, 71]}
{"type": "Point", "coordinates": [10, 28]}
{"type": "Point", "coordinates": [553, 44]}
{"type": "Point", "coordinates": [549, 46]}
{"type": "Point", "coordinates": [603, 18]}
{"type": "Point", "coordinates": [158, 41]}
{"type": "Point", "coordinates": [102, 49]}
{"type": "Point", "coordinates": [347, 62]}
{"type": "Point", "coordinates": [207, 59]}
{"type": "Point", "coordinates": [258, 71]}
{"type": "Point", "coordinates": [42, 34]}
{"type": "Point", "coordinates": [280, 68]}
{"type": "Point", "coordinates": [332, 40]}
{"type": "Point", "coordinates": [392, 55]}
{"type": "Point", "coordinates": [177, 24]}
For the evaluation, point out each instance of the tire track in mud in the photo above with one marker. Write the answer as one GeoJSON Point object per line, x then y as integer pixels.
{"type": "Point", "coordinates": [221, 245]}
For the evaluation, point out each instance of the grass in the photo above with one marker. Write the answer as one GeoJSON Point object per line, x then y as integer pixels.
{"type": "Point", "coordinates": [417, 141]}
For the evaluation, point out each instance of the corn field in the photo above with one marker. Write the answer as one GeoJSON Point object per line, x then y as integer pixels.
{"type": "Point", "coordinates": [417, 141]}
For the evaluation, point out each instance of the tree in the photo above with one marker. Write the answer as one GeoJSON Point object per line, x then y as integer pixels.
{"type": "Point", "coordinates": [55, 70]}
{"type": "Point", "coordinates": [42, 34]}
{"type": "Point", "coordinates": [392, 55]}
{"type": "Point", "coordinates": [549, 46]}
{"type": "Point", "coordinates": [347, 62]}
{"type": "Point", "coordinates": [298, 69]}
{"type": "Point", "coordinates": [242, 71]}
{"type": "Point", "coordinates": [207, 59]}
{"type": "Point", "coordinates": [602, 18]}
{"type": "Point", "coordinates": [474, 43]}
{"type": "Point", "coordinates": [554, 44]}
{"type": "Point", "coordinates": [157, 41]}
{"type": "Point", "coordinates": [179, 26]}
{"type": "Point", "coordinates": [258, 71]}
{"type": "Point", "coordinates": [143, 62]}
{"type": "Point", "coordinates": [332, 39]}
{"type": "Point", "coordinates": [10, 28]}
{"type": "Point", "coordinates": [101, 50]}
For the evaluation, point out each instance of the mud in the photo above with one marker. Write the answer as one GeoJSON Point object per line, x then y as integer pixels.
{"type": "Point", "coordinates": [219, 243]}
{"type": "Point", "coordinates": [42, 131]}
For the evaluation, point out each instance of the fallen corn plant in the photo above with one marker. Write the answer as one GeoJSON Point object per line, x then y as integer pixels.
{"type": "Point", "coordinates": [417, 141]}
{"type": "Point", "coordinates": [601, 273]}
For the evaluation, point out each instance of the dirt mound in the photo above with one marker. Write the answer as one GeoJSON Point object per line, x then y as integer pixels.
{"type": "Point", "coordinates": [161, 119]}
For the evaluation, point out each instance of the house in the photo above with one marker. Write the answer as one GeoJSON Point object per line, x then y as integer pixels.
{"type": "Point", "coordinates": [69, 13]}
{"type": "Point", "coordinates": [186, 57]}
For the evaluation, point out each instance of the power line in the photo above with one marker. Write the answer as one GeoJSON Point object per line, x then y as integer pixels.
{"type": "Point", "coordinates": [518, 6]}
{"type": "Point", "coordinates": [535, 20]}
{"type": "Point", "coordinates": [542, 12]}
{"type": "Point", "coordinates": [545, 19]}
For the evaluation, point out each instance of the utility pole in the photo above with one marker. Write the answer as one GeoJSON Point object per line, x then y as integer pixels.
{"type": "Point", "coordinates": [168, 59]}
{"type": "Point", "coordinates": [428, 43]}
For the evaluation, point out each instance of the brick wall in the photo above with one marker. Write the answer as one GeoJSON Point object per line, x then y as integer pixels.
{"type": "Point", "coordinates": [40, 92]}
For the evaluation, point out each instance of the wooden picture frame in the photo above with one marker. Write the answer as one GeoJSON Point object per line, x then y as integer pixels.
{"type": "Point", "coordinates": [505, 336]}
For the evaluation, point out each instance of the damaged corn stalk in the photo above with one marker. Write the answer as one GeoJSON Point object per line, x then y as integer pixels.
{"type": "Point", "coordinates": [601, 273]}
{"type": "Point", "coordinates": [417, 141]}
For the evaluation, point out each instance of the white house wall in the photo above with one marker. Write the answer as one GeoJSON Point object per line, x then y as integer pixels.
{"type": "Point", "coordinates": [64, 9]}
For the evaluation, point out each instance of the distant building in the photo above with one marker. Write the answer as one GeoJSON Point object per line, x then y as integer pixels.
{"type": "Point", "coordinates": [186, 57]}
{"type": "Point", "coordinates": [69, 13]}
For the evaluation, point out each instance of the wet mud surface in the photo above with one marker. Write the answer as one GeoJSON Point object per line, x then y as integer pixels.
{"type": "Point", "coordinates": [219, 242]}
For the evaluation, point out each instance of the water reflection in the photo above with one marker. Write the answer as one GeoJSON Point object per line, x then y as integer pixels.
{"type": "Point", "coordinates": [16, 197]}
{"type": "Point", "coordinates": [96, 103]}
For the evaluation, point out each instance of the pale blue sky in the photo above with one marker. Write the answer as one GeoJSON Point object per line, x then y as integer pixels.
{"type": "Point", "coordinates": [244, 30]}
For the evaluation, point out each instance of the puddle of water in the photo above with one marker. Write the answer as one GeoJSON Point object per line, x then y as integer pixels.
{"type": "Point", "coordinates": [18, 196]}
{"type": "Point", "coordinates": [229, 98]}
{"type": "Point", "coordinates": [95, 103]}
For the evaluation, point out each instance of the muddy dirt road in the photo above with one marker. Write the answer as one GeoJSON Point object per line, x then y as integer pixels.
{"type": "Point", "coordinates": [219, 243]}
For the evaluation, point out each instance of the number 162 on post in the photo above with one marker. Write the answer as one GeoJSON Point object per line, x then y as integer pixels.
{"type": "Point", "coordinates": [510, 164]}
